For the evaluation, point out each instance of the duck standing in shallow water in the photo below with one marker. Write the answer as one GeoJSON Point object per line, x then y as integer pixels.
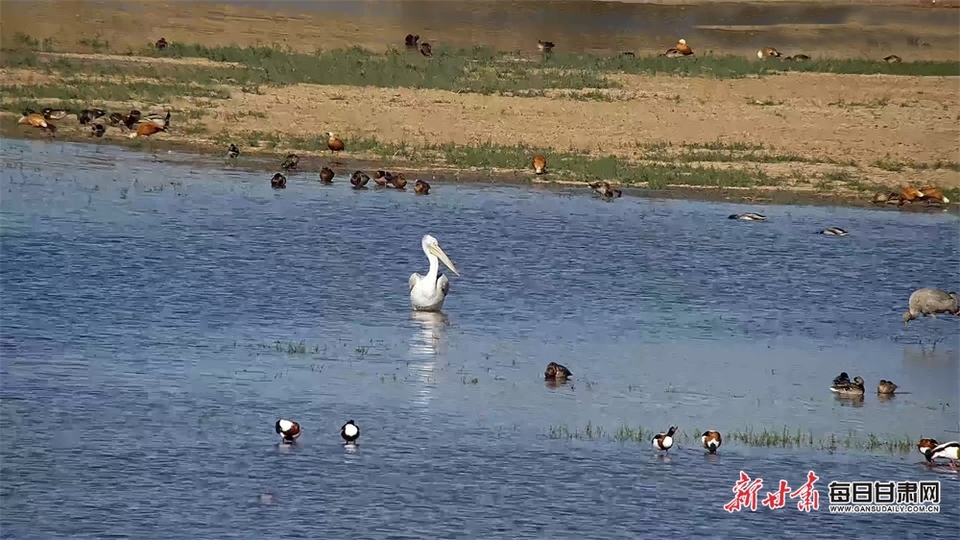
{"type": "Point", "coordinates": [326, 175]}
{"type": "Point", "coordinates": [359, 180]}
{"type": "Point", "coordinates": [664, 441]}
{"type": "Point", "coordinates": [749, 216]}
{"type": "Point", "coordinates": [380, 178]}
{"type": "Point", "coordinates": [926, 444]}
{"type": "Point", "coordinates": [886, 387]}
{"type": "Point", "coordinates": [833, 231]}
{"type": "Point", "coordinates": [606, 190]}
{"type": "Point", "coordinates": [849, 388]}
{"type": "Point", "coordinates": [288, 430]}
{"type": "Point", "coordinates": [539, 164]}
{"type": "Point", "coordinates": [290, 162]}
{"type": "Point", "coordinates": [556, 372]}
{"type": "Point", "coordinates": [930, 302]}
{"type": "Point", "coordinates": [421, 187]}
{"type": "Point", "coordinates": [711, 440]}
{"type": "Point", "coordinates": [350, 432]}
{"type": "Point", "coordinates": [278, 181]}
{"type": "Point", "coordinates": [399, 181]}
{"type": "Point", "coordinates": [233, 152]}
{"type": "Point", "coordinates": [948, 450]}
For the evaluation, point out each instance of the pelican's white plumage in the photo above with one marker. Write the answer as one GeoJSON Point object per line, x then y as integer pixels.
{"type": "Point", "coordinates": [428, 292]}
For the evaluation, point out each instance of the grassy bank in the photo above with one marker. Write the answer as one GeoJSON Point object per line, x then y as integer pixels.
{"type": "Point", "coordinates": [785, 438]}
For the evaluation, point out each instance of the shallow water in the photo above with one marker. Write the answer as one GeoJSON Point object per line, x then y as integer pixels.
{"type": "Point", "coordinates": [143, 298]}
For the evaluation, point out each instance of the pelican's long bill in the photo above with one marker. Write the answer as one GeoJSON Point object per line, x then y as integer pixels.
{"type": "Point", "coordinates": [436, 250]}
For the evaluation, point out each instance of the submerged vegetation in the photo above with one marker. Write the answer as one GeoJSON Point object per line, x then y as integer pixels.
{"type": "Point", "coordinates": [785, 438]}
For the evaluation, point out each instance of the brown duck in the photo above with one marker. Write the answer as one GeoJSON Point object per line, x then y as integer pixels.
{"type": "Point", "coordinates": [556, 371]}
{"type": "Point", "coordinates": [326, 175]}
{"type": "Point", "coordinates": [421, 187]}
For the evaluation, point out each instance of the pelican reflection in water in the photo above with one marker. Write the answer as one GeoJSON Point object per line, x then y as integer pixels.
{"type": "Point", "coordinates": [425, 344]}
{"type": "Point", "coordinates": [428, 292]}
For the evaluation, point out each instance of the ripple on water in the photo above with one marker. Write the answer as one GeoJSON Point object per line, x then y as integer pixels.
{"type": "Point", "coordinates": [158, 317]}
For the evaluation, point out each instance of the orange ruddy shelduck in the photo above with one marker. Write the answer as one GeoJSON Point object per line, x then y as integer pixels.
{"type": "Point", "coordinates": [768, 52]}
{"type": "Point", "coordinates": [934, 193]}
{"type": "Point", "coordinates": [288, 430]}
{"type": "Point", "coordinates": [146, 130]}
{"type": "Point", "coordinates": [711, 440]}
{"type": "Point", "coordinates": [333, 143]}
{"type": "Point", "coordinates": [38, 121]}
{"type": "Point", "coordinates": [539, 164]}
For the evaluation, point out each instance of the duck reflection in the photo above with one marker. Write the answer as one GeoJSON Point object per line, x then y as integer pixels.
{"type": "Point", "coordinates": [848, 401]}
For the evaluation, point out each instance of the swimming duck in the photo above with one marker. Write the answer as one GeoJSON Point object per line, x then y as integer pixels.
{"type": "Point", "coordinates": [545, 47]}
{"type": "Point", "coordinates": [849, 388]}
{"type": "Point", "coordinates": [233, 152]}
{"type": "Point", "coordinates": [278, 181]}
{"type": "Point", "coordinates": [359, 180]}
{"type": "Point", "coordinates": [833, 231]}
{"type": "Point", "coordinates": [54, 114]}
{"type": "Point", "coordinates": [97, 130]}
{"type": "Point", "coordinates": [161, 44]}
{"type": "Point", "coordinates": [886, 387]}
{"type": "Point", "coordinates": [380, 178]}
{"type": "Point", "coordinates": [350, 432]}
{"type": "Point", "coordinates": [933, 193]}
{"type": "Point", "coordinates": [411, 40]}
{"type": "Point", "coordinates": [749, 216]}
{"type": "Point", "coordinates": [89, 115]}
{"type": "Point", "coordinates": [333, 143]}
{"type": "Point", "coordinates": [421, 187]}
{"type": "Point", "coordinates": [147, 129]}
{"type": "Point", "coordinates": [842, 378]}
{"type": "Point", "coordinates": [892, 59]}
{"type": "Point", "coordinates": [948, 450]}
{"type": "Point", "coordinates": [926, 444]}
{"type": "Point", "coordinates": [768, 52]}
{"type": "Point", "coordinates": [326, 175]}
{"type": "Point", "coordinates": [288, 430]}
{"type": "Point", "coordinates": [158, 120]}
{"type": "Point", "coordinates": [606, 190]}
{"type": "Point", "coordinates": [38, 121]}
{"type": "Point", "coordinates": [556, 371]}
{"type": "Point", "coordinates": [711, 440]}
{"type": "Point", "coordinates": [399, 181]}
{"type": "Point", "coordinates": [426, 49]}
{"type": "Point", "coordinates": [539, 164]}
{"type": "Point", "coordinates": [664, 441]}
{"type": "Point", "coordinates": [290, 162]}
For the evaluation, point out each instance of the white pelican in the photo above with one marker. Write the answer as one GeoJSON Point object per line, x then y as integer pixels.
{"type": "Point", "coordinates": [428, 292]}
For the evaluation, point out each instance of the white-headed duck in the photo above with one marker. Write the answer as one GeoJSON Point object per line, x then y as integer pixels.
{"type": "Point", "coordinates": [664, 441]}
{"type": "Point", "coordinates": [711, 440]}
{"type": "Point", "coordinates": [288, 430]}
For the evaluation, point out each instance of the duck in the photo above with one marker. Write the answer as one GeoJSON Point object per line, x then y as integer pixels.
{"type": "Point", "coordinates": [833, 231]}
{"type": "Point", "coordinates": [711, 440]}
{"type": "Point", "coordinates": [933, 193]}
{"type": "Point", "coordinates": [883, 197]}
{"type": "Point", "coordinates": [679, 51]}
{"type": "Point", "coordinates": [749, 216]}
{"type": "Point", "coordinates": [664, 441]}
{"type": "Point", "coordinates": [768, 52]}
{"type": "Point", "coordinates": [948, 450]}
{"type": "Point", "coordinates": [411, 40]}
{"type": "Point", "coordinates": [290, 162]}
{"type": "Point", "coordinates": [326, 175]}
{"type": "Point", "coordinates": [556, 371]}
{"type": "Point", "coordinates": [89, 115]}
{"type": "Point", "coordinates": [421, 187]}
{"type": "Point", "coordinates": [380, 178]}
{"type": "Point", "coordinates": [926, 444]}
{"type": "Point", "coordinates": [886, 387]}
{"type": "Point", "coordinates": [278, 181]}
{"type": "Point", "coordinates": [158, 119]}
{"type": "Point", "coordinates": [97, 130]}
{"type": "Point", "coordinates": [849, 388]}
{"type": "Point", "coordinates": [892, 59]}
{"type": "Point", "coordinates": [798, 58]}
{"type": "Point", "coordinates": [161, 44]}
{"type": "Point", "coordinates": [426, 49]}
{"type": "Point", "coordinates": [38, 121]}
{"type": "Point", "coordinates": [359, 180]}
{"type": "Point", "coordinates": [288, 430]}
{"type": "Point", "coordinates": [115, 119]}
{"type": "Point", "coordinates": [54, 114]}
{"type": "Point", "coordinates": [910, 194]}
{"type": "Point", "coordinates": [233, 152]}
{"type": "Point", "coordinates": [350, 432]}
{"type": "Point", "coordinates": [146, 130]}
{"type": "Point", "coordinates": [399, 181]}
{"type": "Point", "coordinates": [125, 120]}
{"type": "Point", "coordinates": [545, 46]}
{"type": "Point", "coordinates": [333, 143]}
{"type": "Point", "coordinates": [628, 54]}
{"type": "Point", "coordinates": [606, 190]}
{"type": "Point", "coordinates": [840, 379]}
{"type": "Point", "coordinates": [539, 164]}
